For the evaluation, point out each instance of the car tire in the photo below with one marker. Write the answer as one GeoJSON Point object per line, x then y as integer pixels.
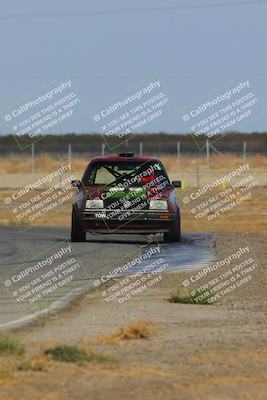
{"type": "Point", "coordinates": [174, 235]}
{"type": "Point", "coordinates": [77, 234]}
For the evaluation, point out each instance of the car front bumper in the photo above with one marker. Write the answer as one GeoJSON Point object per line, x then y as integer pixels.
{"type": "Point", "coordinates": [126, 221]}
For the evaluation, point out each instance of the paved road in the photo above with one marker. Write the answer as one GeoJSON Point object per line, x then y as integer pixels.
{"type": "Point", "coordinates": [40, 270]}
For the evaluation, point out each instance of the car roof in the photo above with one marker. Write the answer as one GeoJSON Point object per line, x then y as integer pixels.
{"type": "Point", "coordinates": [118, 158]}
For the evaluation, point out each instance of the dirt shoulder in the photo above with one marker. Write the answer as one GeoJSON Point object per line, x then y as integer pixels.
{"type": "Point", "coordinates": [192, 351]}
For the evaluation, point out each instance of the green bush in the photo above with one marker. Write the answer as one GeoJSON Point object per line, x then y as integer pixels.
{"type": "Point", "coordinates": [189, 299]}
{"type": "Point", "coordinates": [10, 345]}
{"type": "Point", "coordinates": [72, 354]}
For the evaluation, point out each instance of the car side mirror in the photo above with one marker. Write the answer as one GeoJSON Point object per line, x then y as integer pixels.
{"type": "Point", "coordinates": [76, 183]}
{"type": "Point", "coordinates": [177, 184]}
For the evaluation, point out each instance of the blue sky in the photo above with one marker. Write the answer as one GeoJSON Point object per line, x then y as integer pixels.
{"type": "Point", "coordinates": [107, 51]}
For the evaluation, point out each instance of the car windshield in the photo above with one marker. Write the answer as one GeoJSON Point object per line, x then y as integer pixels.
{"type": "Point", "coordinates": [135, 173]}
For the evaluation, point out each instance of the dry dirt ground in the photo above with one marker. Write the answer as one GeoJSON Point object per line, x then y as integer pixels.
{"type": "Point", "coordinates": [189, 351]}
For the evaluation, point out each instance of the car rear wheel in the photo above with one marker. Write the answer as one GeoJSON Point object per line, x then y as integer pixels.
{"type": "Point", "coordinates": [77, 234]}
{"type": "Point", "coordinates": [174, 235]}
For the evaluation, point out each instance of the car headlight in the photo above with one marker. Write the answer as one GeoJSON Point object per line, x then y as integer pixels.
{"type": "Point", "coordinates": [158, 205]}
{"type": "Point", "coordinates": [94, 204]}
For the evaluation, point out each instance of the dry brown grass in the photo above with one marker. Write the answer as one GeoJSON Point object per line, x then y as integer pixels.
{"type": "Point", "coordinates": [218, 162]}
{"type": "Point", "coordinates": [188, 163]}
{"type": "Point", "coordinates": [37, 363]}
{"type": "Point", "coordinates": [140, 329]}
{"type": "Point", "coordinates": [17, 164]}
{"type": "Point", "coordinates": [13, 163]}
{"type": "Point", "coordinates": [79, 164]}
{"type": "Point", "coordinates": [258, 161]}
{"type": "Point", "coordinates": [7, 367]}
{"type": "Point", "coordinates": [45, 162]}
{"type": "Point", "coordinates": [10, 366]}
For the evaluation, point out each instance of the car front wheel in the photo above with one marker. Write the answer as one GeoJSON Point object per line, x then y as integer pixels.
{"type": "Point", "coordinates": [77, 234]}
{"type": "Point", "coordinates": [174, 235]}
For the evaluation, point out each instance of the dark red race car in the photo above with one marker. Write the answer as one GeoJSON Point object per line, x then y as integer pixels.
{"type": "Point", "coordinates": [125, 194]}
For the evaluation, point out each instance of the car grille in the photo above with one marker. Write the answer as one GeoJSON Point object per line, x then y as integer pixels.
{"type": "Point", "coordinates": [115, 204]}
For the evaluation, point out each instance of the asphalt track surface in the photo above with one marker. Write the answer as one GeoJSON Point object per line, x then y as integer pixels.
{"type": "Point", "coordinates": [93, 259]}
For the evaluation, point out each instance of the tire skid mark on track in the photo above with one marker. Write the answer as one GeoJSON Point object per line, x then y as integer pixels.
{"type": "Point", "coordinates": [194, 251]}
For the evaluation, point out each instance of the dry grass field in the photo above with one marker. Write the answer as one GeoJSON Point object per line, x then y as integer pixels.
{"type": "Point", "coordinates": [250, 216]}
{"type": "Point", "coordinates": [153, 349]}
{"type": "Point", "coordinates": [14, 164]}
